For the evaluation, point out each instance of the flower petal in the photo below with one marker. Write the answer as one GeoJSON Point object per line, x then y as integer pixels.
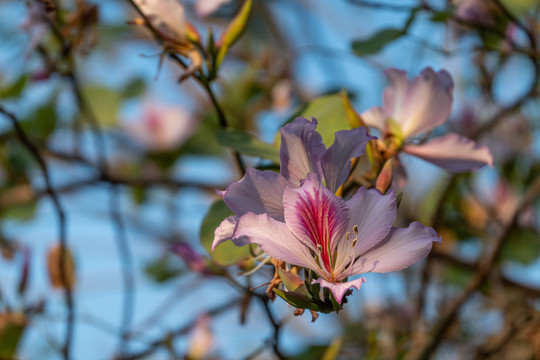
{"type": "Point", "coordinates": [225, 231]}
{"type": "Point", "coordinates": [316, 217]}
{"type": "Point", "coordinates": [452, 152]}
{"type": "Point", "coordinates": [275, 239]}
{"type": "Point", "coordinates": [401, 248]}
{"type": "Point", "coordinates": [336, 161]}
{"type": "Point", "coordinates": [374, 214]}
{"type": "Point", "coordinates": [420, 105]}
{"type": "Point", "coordinates": [301, 150]}
{"type": "Point", "coordinates": [375, 117]}
{"type": "Point", "coordinates": [339, 289]}
{"type": "Point", "coordinates": [259, 192]}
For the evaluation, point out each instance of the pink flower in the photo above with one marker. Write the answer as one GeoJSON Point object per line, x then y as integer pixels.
{"type": "Point", "coordinates": [293, 217]}
{"type": "Point", "coordinates": [162, 127]}
{"type": "Point", "coordinates": [418, 106]}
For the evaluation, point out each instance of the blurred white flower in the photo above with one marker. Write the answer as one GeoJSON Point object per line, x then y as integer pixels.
{"type": "Point", "coordinates": [206, 7]}
{"type": "Point", "coordinates": [162, 127]}
{"type": "Point", "coordinates": [201, 339]}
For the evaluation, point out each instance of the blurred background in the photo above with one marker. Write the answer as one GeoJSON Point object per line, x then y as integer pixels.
{"type": "Point", "coordinates": [109, 164]}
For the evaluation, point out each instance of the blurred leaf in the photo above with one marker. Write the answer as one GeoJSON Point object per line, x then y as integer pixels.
{"type": "Point", "coordinates": [233, 31]}
{"type": "Point", "coordinates": [104, 102]}
{"type": "Point", "coordinates": [523, 246]}
{"type": "Point", "coordinates": [247, 144]}
{"type": "Point", "coordinates": [330, 114]}
{"type": "Point", "coordinates": [12, 326]}
{"type": "Point", "coordinates": [519, 6]}
{"type": "Point", "coordinates": [442, 16]}
{"type": "Point", "coordinates": [456, 275]}
{"type": "Point", "coordinates": [332, 351]}
{"type": "Point", "coordinates": [42, 122]}
{"type": "Point", "coordinates": [21, 212]}
{"type": "Point", "coordinates": [203, 141]}
{"type": "Point", "coordinates": [13, 89]}
{"type": "Point", "coordinates": [380, 39]}
{"type": "Point", "coordinates": [377, 41]}
{"type": "Point", "coordinates": [134, 88]}
{"type": "Point", "coordinates": [162, 269]}
{"type": "Point", "coordinates": [313, 352]}
{"type": "Point", "coordinates": [226, 253]}
{"type": "Point", "coordinates": [54, 258]}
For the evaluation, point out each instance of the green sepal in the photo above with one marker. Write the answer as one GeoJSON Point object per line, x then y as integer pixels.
{"type": "Point", "coordinates": [233, 31]}
{"type": "Point", "coordinates": [294, 283]}
{"type": "Point", "coordinates": [297, 300]}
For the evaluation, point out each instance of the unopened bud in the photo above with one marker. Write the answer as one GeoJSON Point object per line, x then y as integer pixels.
{"type": "Point", "coordinates": [384, 180]}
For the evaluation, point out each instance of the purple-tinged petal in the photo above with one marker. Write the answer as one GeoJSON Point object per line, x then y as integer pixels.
{"type": "Point", "coordinates": [259, 192]}
{"type": "Point", "coordinates": [399, 250]}
{"type": "Point", "coordinates": [452, 152]}
{"type": "Point", "coordinates": [339, 289]}
{"type": "Point", "coordinates": [225, 231]}
{"type": "Point", "coordinates": [420, 105]}
{"type": "Point", "coordinates": [336, 161]}
{"type": "Point", "coordinates": [301, 150]}
{"type": "Point", "coordinates": [275, 239]}
{"type": "Point", "coordinates": [394, 96]}
{"type": "Point", "coordinates": [316, 217]}
{"type": "Point", "coordinates": [428, 103]}
{"type": "Point", "coordinates": [375, 117]}
{"type": "Point", "coordinates": [373, 214]}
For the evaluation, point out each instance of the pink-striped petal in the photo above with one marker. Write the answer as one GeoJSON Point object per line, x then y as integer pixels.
{"type": "Point", "coordinates": [339, 289]}
{"type": "Point", "coordinates": [275, 239]}
{"type": "Point", "coordinates": [336, 161]}
{"type": "Point", "coordinates": [259, 192]}
{"type": "Point", "coordinates": [400, 249]}
{"type": "Point", "coordinates": [452, 152]}
{"type": "Point", "coordinates": [316, 217]}
{"type": "Point", "coordinates": [301, 150]}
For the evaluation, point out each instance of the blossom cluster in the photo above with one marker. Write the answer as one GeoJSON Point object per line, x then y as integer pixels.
{"type": "Point", "coordinates": [296, 215]}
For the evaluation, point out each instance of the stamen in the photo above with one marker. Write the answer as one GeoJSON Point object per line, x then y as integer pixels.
{"type": "Point", "coordinates": [355, 230]}
{"type": "Point", "coordinates": [355, 240]}
{"type": "Point", "coordinates": [347, 236]}
{"type": "Point", "coordinates": [319, 248]}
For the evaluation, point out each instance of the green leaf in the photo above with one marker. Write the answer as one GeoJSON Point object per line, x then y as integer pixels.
{"type": "Point", "coordinates": [442, 16]}
{"type": "Point", "coordinates": [247, 144]}
{"type": "Point", "coordinates": [134, 88]}
{"type": "Point", "coordinates": [331, 115]}
{"type": "Point", "coordinates": [523, 246]}
{"type": "Point", "coordinates": [377, 41]}
{"type": "Point", "coordinates": [12, 327]}
{"type": "Point", "coordinates": [42, 122]}
{"type": "Point", "coordinates": [299, 301]}
{"type": "Point", "coordinates": [226, 253]}
{"type": "Point", "coordinates": [233, 31]}
{"type": "Point", "coordinates": [162, 269]}
{"type": "Point", "coordinates": [13, 89]}
{"type": "Point", "coordinates": [104, 102]}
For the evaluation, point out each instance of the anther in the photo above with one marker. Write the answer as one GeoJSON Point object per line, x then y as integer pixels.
{"type": "Point", "coordinates": [319, 248]}
{"type": "Point", "coordinates": [355, 229]}
{"type": "Point", "coordinates": [347, 235]}
{"type": "Point", "coordinates": [355, 240]}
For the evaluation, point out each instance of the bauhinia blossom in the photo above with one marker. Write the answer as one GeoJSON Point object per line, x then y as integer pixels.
{"type": "Point", "coordinates": [162, 127]}
{"type": "Point", "coordinates": [296, 217]}
{"type": "Point", "coordinates": [414, 107]}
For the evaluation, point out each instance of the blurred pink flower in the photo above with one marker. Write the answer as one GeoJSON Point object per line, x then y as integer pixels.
{"type": "Point", "coordinates": [162, 127]}
{"type": "Point", "coordinates": [206, 7]}
{"type": "Point", "coordinates": [295, 218]}
{"type": "Point", "coordinates": [418, 106]}
{"type": "Point", "coordinates": [193, 260]}
{"type": "Point", "coordinates": [167, 18]}
{"type": "Point", "coordinates": [201, 339]}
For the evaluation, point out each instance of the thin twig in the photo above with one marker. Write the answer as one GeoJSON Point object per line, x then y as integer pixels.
{"type": "Point", "coordinates": [60, 213]}
{"type": "Point", "coordinates": [484, 269]}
